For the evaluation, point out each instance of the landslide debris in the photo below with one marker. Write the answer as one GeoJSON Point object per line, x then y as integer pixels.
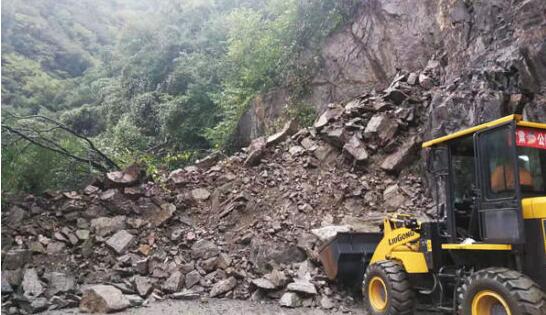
{"type": "Point", "coordinates": [248, 226]}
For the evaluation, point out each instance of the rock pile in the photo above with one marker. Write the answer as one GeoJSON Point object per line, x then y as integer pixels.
{"type": "Point", "coordinates": [246, 226]}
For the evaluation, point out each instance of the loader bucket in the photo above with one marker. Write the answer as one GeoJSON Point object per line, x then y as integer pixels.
{"type": "Point", "coordinates": [347, 255]}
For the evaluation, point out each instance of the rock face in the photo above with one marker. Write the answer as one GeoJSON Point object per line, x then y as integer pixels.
{"type": "Point", "coordinates": [471, 56]}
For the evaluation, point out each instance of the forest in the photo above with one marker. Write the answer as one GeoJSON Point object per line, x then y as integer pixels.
{"type": "Point", "coordinates": [95, 85]}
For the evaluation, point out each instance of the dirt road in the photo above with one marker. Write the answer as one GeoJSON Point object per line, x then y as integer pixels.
{"type": "Point", "coordinates": [217, 307]}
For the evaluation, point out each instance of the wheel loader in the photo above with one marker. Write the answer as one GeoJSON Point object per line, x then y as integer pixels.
{"type": "Point", "coordinates": [484, 253]}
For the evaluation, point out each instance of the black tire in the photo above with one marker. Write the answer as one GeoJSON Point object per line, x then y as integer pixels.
{"type": "Point", "coordinates": [399, 298]}
{"type": "Point", "coordinates": [520, 294]}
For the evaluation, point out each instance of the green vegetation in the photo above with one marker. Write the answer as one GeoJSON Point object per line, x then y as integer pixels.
{"type": "Point", "coordinates": [156, 81]}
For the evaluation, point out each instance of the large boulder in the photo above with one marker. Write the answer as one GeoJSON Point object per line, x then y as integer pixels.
{"type": "Point", "coordinates": [103, 299]}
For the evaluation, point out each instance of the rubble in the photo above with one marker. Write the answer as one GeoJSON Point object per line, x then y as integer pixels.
{"type": "Point", "coordinates": [245, 226]}
{"type": "Point", "coordinates": [120, 241]}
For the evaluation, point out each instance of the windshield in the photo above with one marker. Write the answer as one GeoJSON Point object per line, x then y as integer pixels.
{"type": "Point", "coordinates": [532, 161]}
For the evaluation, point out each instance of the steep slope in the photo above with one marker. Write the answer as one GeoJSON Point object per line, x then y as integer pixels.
{"type": "Point", "coordinates": [482, 52]}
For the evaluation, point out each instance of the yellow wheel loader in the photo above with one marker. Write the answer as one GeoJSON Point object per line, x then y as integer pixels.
{"type": "Point", "coordinates": [485, 251]}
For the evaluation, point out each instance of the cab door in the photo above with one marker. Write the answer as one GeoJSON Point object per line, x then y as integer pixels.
{"type": "Point", "coordinates": [499, 199]}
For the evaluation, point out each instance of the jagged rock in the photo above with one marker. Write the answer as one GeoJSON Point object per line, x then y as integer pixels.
{"type": "Point", "coordinates": [104, 226]}
{"type": "Point", "coordinates": [382, 126]}
{"type": "Point", "coordinates": [393, 198]}
{"type": "Point", "coordinates": [127, 177]}
{"type": "Point", "coordinates": [103, 299]}
{"type": "Point", "coordinates": [16, 215]}
{"type": "Point", "coordinates": [263, 283]}
{"type": "Point", "coordinates": [290, 299]}
{"type": "Point", "coordinates": [178, 176]}
{"type": "Point", "coordinates": [165, 212]}
{"type": "Point", "coordinates": [120, 241]}
{"type": "Point", "coordinates": [82, 234]}
{"type": "Point", "coordinates": [356, 149]}
{"type": "Point", "coordinates": [54, 248]}
{"type": "Point", "coordinates": [425, 81]}
{"type": "Point", "coordinates": [289, 129]}
{"type": "Point", "coordinates": [396, 96]}
{"type": "Point", "coordinates": [32, 287]}
{"type": "Point", "coordinates": [208, 161]}
{"type": "Point", "coordinates": [328, 232]}
{"type": "Point", "coordinates": [326, 154]}
{"type": "Point", "coordinates": [134, 300]}
{"type": "Point", "coordinates": [192, 278]}
{"type": "Point", "coordinates": [185, 295]}
{"type": "Point", "coordinates": [36, 305]}
{"type": "Point", "coordinates": [59, 282]}
{"type": "Point", "coordinates": [401, 158]}
{"type": "Point", "coordinates": [336, 136]}
{"type": "Point", "coordinates": [263, 254]}
{"type": "Point", "coordinates": [174, 283]}
{"type": "Point", "coordinates": [204, 249]}
{"type": "Point", "coordinates": [309, 144]}
{"type": "Point", "coordinates": [326, 303]}
{"type": "Point", "coordinates": [257, 150]}
{"type": "Point", "coordinates": [13, 277]}
{"type": "Point", "coordinates": [332, 113]}
{"type": "Point", "coordinates": [143, 285]}
{"type": "Point", "coordinates": [302, 287]}
{"type": "Point", "coordinates": [223, 286]}
{"type": "Point", "coordinates": [200, 194]}
{"type": "Point", "coordinates": [412, 78]}
{"type": "Point", "coordinates": [90, 190]}
{"type": "Point", "coordinates": [6, 286]}
{"type": "Point", "coordinates": [16, 258]}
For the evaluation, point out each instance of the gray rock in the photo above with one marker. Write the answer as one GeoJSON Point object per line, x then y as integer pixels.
{"type": "Point", "coordinates": [192, 278]}
{"type": "Point", "coordinates": [120, 241]}
{"type": "Point", "coordinates": [326, 154]}
{"type": "Point", "coordinates": [425, 81]}
{"type": "Point", "coordinates": [396, 96]}
{"type": "Point", "coordinates": [356, 149]}
{"type": "Point", "coordinates": [174, 283]}
{"type": "Point", "coordinates": [382, 127]}
{"type": "Point", "coordinates": [296, 150]}
{"type": "Point", "coordinates": [16, 216]}
{"type": "Point", "coordinates": [54, 248]}
{"type": "Point", "coordinates": [103, 299]}
{"type": "Point", "coordinates": [13, 277]}
{"type": "Point", "coordinates": [134, 300]}
{"type": "Point", "coordinates": [37, 247]}
{"type": "Point", "coordinates": [6, 286]}
{"type": "Point", "coordinates": [223, 286]}
{"type": "Point", "coordinates": [36, 305]}
{"type": "Point", "coordinates": [32, 287]}
{"type": "Point", "coordinates": [264, 283]}
{"type": "Point", "coordinates": [330, 114]}
{"type": "Point", "coordinates": [328, 232]}
{"type": "Point", "coordinates": [16, 258]}
{"type": "Point", "coordinates": [393, 197]}
{"type": "Point", "coordinates": [256, 149]}
{"type": "Point", "coordinates": [208, 161]}
{"type": "Point", "coordinates": [401, 158]}
{"type": "Point", "coordinates": [309, 144]}
{"type": "Point", "coordinates": [301, 286]}
{"type": "Point", "coordinates": [82, 234]}
{"type": "Point", "coordinates": [204, 249]}
{"type": "Point", "coordinates": [186, 295]}
{"type": "Point", "coordinates": [289, 129]}
{"type": "Point", "coordinates": [412, 78]}
{"type": "Point", "coordinates": [290, 299]}
{"type": "Point", "coordinates": [200, 194]}
{"type": "Point", "coordinates": [143, 285]}
{"type": "Point", "coordinates": [326, 303]}
{"type": "Point", "coordinates": [59, 282]}
{"type": "Point", "coordinates": [104, 226]}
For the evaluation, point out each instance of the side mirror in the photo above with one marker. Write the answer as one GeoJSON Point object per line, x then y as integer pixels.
{"type": "Point", "coordinates": [437, 160]}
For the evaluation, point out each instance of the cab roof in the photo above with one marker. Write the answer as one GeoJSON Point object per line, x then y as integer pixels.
{"type": "Point", "coordinates": [464, 132]}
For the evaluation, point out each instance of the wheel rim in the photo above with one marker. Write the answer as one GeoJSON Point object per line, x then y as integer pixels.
{"type": "Point", "coordinates": [377, 294]}
{"type": "Point", "coordinates": [489, 303]}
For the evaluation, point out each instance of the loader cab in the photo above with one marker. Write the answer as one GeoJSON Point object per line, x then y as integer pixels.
{"type": "Point", "coordinates": [486, 174]}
